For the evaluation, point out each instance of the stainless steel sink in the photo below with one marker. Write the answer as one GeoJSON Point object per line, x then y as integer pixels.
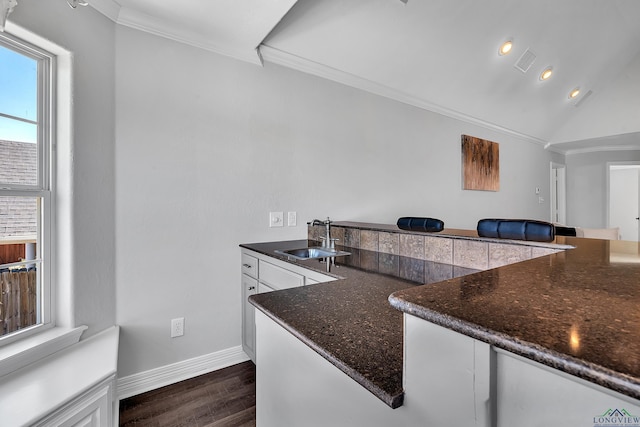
{"type": "Point", "coordinates": [311, 253]}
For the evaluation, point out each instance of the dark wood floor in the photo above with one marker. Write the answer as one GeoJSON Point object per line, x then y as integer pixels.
{"type": "Point", "coordinates": [222, 398]}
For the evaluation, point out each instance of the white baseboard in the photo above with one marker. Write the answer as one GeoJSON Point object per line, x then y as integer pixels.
{"type": "Point", "coordinates": [179, 371]}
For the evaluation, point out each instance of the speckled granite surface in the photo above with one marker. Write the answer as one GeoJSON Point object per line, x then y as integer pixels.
{"type": "Point", "coordinates": [349, 321]}
{"type": "Point", "coordinates": [577, 311]}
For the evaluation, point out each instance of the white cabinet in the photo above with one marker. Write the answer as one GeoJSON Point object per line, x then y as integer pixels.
{"type": "Point", "coordinates": [449, 379]}
{"type": "Point", "coordinates": [249, 287]}
{"type": "Point", "coordinates": [529, 394]}
{"type": "Point", "coordinates": [454, 379]}
{"type": "Point", "coordinates": [261, 273]}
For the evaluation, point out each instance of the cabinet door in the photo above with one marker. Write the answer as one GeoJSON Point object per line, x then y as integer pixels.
{"type": "Point", "coordinates": [249, 287]}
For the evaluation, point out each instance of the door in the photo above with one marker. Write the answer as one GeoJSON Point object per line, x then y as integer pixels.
{"type": "Point", "coordinates": [624, 200]}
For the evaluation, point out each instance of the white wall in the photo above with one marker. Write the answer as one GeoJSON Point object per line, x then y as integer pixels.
{"type": "Point", "coordinates": [587, 186]}
{"type": "Point", "coordinates": [90, 194]}
{"type": "Point", "coordinates": [206, 146]}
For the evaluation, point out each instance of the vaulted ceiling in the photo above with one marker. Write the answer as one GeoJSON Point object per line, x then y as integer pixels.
{"type": "Point", "coordinates": [441, 55]}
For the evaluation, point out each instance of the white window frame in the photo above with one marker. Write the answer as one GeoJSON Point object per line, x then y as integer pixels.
{"type": "Point", "coordinates": [62, 330]}
{"type": "Point", "coordinates": [44, 188]}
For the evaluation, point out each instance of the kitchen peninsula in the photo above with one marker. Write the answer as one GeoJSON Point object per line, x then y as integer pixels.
{"type": "Point", "coordinates": [552, 334]}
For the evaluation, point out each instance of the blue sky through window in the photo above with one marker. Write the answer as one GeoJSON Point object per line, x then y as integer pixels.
{"type": "Point", "coordinates": [18, 96]}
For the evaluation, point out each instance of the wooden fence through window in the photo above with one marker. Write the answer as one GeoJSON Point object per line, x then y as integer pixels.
{"type": "Point", "coordinates": [18, 308]}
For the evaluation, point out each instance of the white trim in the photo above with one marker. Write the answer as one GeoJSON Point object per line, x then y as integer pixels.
{"type": "Point", "coordinates": [560, 194]}
{"type": "Point", "coordinates": [279, 57]}
{"type": "Point", "coordinates": [549, 146]}
{"type": "Point", "coordinates": [149, 24]}
{"type": "Point", "coordinates": [169, 374]}
{"type": "Point", "coordinates": [108, 8]}
{"type": "Point", "coordinates": [132, 18]}
{"type": "Point", "coordinates": [28, 44]}
{"type": "Point", "coordinates": [22, 349]}
{"type": "Point", "coordinates": [598, 149]}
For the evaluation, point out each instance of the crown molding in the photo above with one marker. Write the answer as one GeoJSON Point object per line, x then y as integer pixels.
{"type": "Point", "coordinates": [131, 18]}
{"type": "Point", "coordinates": [600, 149]}
{"type": "Point", "coordinates": [108, 8]}
{"type": "Point", "coordinates": [143, 22]}
{"type": "Point", "coordinates": [285, 59]}
{"type": "Point", "coordinates": [550, 147]}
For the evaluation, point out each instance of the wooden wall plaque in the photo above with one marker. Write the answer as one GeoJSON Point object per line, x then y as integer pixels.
{"type": "Point", "coordinates": [480, 164]}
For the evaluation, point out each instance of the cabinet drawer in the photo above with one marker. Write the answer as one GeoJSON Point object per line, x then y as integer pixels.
{"type": "Point", "coordinates": [279, 278]}
{"type": "Point", "coordinates": [250, 265]}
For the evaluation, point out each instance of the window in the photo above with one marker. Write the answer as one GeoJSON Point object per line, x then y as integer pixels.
{"type": "Point", "coordinates": [25, 189]}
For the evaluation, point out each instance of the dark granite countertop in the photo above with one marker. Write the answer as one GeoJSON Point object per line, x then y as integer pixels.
{"type": "Point", "coordinates": [349, 321]}
{"type": "Point", "coordinates": [577, 311]}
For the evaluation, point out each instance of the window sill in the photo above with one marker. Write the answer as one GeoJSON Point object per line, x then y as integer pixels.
{"type": "Point", "coordinates": [63, 384]}
{"type": "Point", "coordinates": [29, 350]}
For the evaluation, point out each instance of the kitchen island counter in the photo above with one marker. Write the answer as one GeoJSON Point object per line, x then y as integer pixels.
{"type": "Point", "coordinates": [576, 311]}
{"type": "Point", "coordinates": [350, 321]}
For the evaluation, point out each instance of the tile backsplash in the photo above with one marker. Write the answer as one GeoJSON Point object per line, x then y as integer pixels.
{"type": "Point", "coordinates": [462, 251]}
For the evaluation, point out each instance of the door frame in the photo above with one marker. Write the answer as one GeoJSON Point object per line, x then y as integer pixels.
{"type": "Point", "coordinates": [558, 193]}
{"type": "Point", "coordinates": [608, 184]}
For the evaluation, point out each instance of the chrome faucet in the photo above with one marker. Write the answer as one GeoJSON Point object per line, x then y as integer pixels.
{"type": "Point", "coordinates": [328, 241]}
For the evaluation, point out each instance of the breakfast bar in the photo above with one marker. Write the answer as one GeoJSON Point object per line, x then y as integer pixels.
{"type": "Point", "coordinates": [450, 344]}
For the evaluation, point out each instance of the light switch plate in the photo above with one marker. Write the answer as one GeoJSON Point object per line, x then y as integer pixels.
{"type": "Point", "coordinates": [276, 219]}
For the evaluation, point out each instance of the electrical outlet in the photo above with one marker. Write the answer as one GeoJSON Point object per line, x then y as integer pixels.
{"type": "Point", "coordinates": [292, 219]}
{"type": "Point", "coordinates": [177, 327]}
{"type": "Point", "coordinates": [276, 219]}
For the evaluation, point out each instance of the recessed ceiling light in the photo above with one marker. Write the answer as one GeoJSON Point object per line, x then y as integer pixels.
{"type": "Point", "coordinates": [546, 73]}
{"type": "Point", "coordinates": [505, 48]}
{"type": "Point", "coordinates": [575, 92]}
